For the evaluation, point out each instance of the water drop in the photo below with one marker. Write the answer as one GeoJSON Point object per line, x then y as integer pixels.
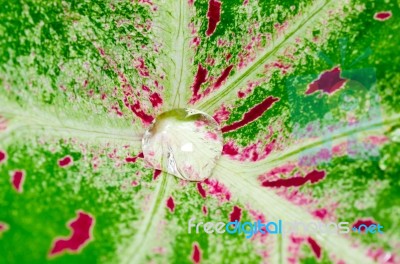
{"type": "Point", "coordinates": [183, 142]}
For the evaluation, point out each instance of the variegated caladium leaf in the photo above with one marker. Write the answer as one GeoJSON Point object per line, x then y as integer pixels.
{"type": "Point", "coordinates": [306, 94]}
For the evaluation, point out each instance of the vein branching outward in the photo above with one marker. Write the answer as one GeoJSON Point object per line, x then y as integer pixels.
{"type": "Point", "coordinates": [135, 252]}
{"type": "Point", "coordinates": [227, 92]}
{"type": "Point", "coordinates": [270, 204]}
{"type": "Point", "coordinates": [174, 20]}
{"type": "Point", "coordinates": [62, 122]}
{"type": "Point", "coordinates": [362, 130]}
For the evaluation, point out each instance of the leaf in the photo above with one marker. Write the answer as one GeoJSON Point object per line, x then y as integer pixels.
{"type": "Point", "coordinates": [305, 92]}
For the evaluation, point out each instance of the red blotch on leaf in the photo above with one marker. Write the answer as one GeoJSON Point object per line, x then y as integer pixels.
{"type": "Point", "coordinates": [3, 156]}
{"type": "Point", "coordinates": [171, 204]}
{"type": "Point", "coordinates": [200, 78]}
{"type": "Point", "coordinates": [204, 209]}
{"type": "Point", "coordinates": [320, 213]}
{"type": "Point", "coordinates": [81, 228]}
{"type": "Point", "coordinates": [156, 174]}
{"type": "Point", "coordinates": [66, 161]}
{"type": "Point", "coordinates": [328, 82]}
{"type": "Point", "coordinates": [236, 214]}
{"type": "Point", "coordinates": [155, 100]}
{"type": "Point", "coordinates": [130, 100]}
{"type": "Point", "coordinates": [382, 16]}
{"type": "Point", "coordinates": [223, 76]}
{"type": "Point", "coordinates": [312, 177]}
{"type": "Point", "coordinates": [251, 115]}
{"type": "Point", "coordinates": [196, 254]}
{"type": "Point", "coordinates": [17, 180]}
{"type": "Point", "coordinates": [133, 159]}
{"type": "Point", "coordinates": [366, 222]}
{"type": "Point", "coordinates": [136, 108]}
{"type": "Point", "coordinates": [201, 190]}
{"type": "Point", "coordinates": [315, 247]}
{"type": "Point", "coordinates": [230, 149]}
{"type": "Point", "coordinates": [213, 15]}
{"type": "Point", "coordinates": [252, 152]}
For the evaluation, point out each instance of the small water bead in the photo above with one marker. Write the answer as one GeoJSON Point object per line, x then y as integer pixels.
{"type": "Point", "coordinates": [183, 142]}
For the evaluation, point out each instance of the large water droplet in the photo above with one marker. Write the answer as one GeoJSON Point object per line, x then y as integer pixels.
{"type": "Point", "coordinates": [184, 142]}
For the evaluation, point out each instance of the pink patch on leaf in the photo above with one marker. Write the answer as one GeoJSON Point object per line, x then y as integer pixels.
{"type": "Point", "coordinates": [328, 82]}
{"type": "Point", "coordinates": [134, 183]}
{"type": "Point", "coordinates": [284, 68]}
{"type": "Point", "coordinates": [211, 136]}
{"type": "Point", "coordinates": [221, 115]}
{"type": "Point", "coordinates": [382, 16]}
{"type": "Point", "coordinates": [340, 149]}
{"type": "Point", "coordinates": [381, 256]}
{"type": "Point", "coordinates": [218, 190]}
{"type": "Point", "coordinates": [320, 213]}
{"type": "Point", "coordinates": [236, 214]}
{"type": "Point", "coordinates": [259, 216]}
{"type": "Point", "coordinates": [195, 42]}
{"type": "Point", "coordinates": [283, 169]}
{"type": "Point", "coordinates": [66, 161]}
{"type": "Point", "coordinates": [117, 110]}
{"type": "Point", "coordinates": [196, 254]}
{"type": "Point", "coordinates": [171, 204]}
{"type": "Point", "coordinates": [377, 140]}
{"type": "Point", "coordinates": [3, 227]}
{"type": "Point", "coordinates": [141, 67]}
{"type": "Point", "coordinates": [251, 115]}
{"type": "Point", "coordinates": [213, 15]}
{"type": "Point", "coordinates": [253, 152]}
{"type": "Point", "coordinates": [130, 100]}
{"type": "Point", "coordinates": [3, 122]}
{"type": "Point", "coordinates": [312, 177]}
{"type": "Point", "coordinates": [145, 88]}
{"type": "Point", "coordinates": [155, 100]}
{"type": "Point", "coordinates": [17, 180]}
{"type": "Point", "coordinates": [81, 227]}
{"type": "Point", "coordinates": [3, 156]}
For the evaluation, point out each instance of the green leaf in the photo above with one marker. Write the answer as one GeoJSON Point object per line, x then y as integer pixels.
{"type": "Point", "coordinates": [306, 94]}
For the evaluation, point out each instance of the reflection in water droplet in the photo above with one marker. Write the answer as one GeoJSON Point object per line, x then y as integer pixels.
{"type": "Point", "coordinates": [184, 142]}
